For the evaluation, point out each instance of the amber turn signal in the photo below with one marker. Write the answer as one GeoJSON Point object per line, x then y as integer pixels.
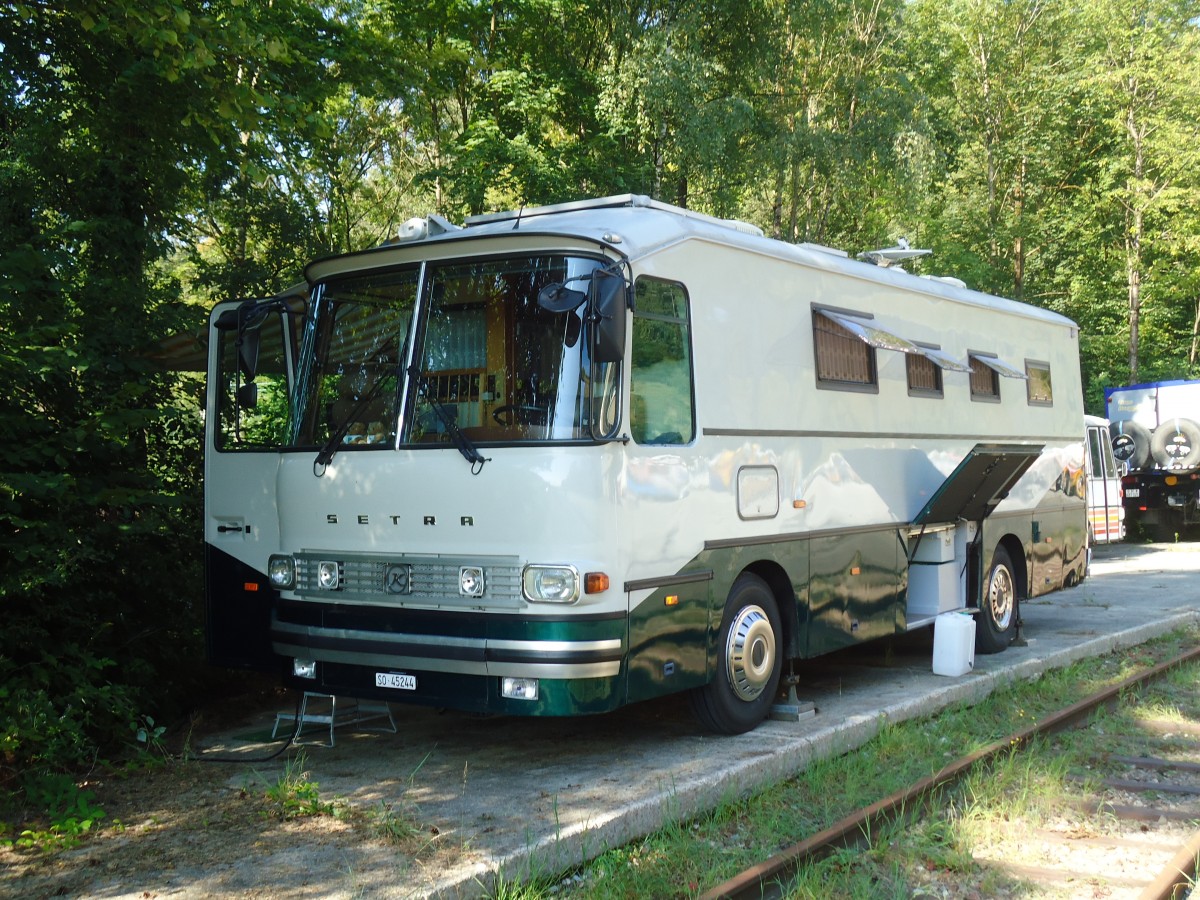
{"type": "Point", "coordinates": [595, 583]}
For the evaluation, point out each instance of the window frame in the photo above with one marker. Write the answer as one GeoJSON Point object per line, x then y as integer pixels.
{"type": "Point", "coordinates": [998, 368]}
{"type": "Point", "coordinates": [689, 341]}
{"type": "Point", "coordinates": [832, 315]}
{"type": "Point", "coordinates": [283, 327]}
{"type": "Point", "coordinates": [939, 389]}
{"type": "Point", "coordinates": [1040, 365]}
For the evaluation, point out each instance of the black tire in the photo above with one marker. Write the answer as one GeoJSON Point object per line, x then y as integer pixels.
{"type": "Point", "coordinates": [1130, 443]}
{"type": "Point", "coordinates": [1176, 444]}
{"type": "Point", "coordinates": [749, 661]}
{"type": "Point", "coordinates": [999, 606]}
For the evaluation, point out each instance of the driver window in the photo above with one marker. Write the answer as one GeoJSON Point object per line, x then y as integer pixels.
{"type": "Point", "coordinates": [257, 420]}
{"type": "Point", "coordinates": [660, 384]}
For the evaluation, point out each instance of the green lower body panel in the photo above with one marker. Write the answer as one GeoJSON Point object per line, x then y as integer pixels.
{"type": "Point", "coordinates": [832, 591]}
{"type": "Point", "coordinates": [457, 659]}
{"type": "Point", "coordinates": [471, 693]}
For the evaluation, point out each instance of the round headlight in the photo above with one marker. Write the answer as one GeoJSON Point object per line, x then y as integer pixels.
{"type": "Point", "coordinates": [551, 584]}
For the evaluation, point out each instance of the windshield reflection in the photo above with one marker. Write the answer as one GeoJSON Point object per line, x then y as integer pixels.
{"type": "Point", "coordinates": [489, 362]}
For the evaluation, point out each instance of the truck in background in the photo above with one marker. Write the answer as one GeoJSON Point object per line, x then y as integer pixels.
{"type": "Point", "coordinates": [1156, 436]}
{"type": "Point", "coordinates": [1105, 506]}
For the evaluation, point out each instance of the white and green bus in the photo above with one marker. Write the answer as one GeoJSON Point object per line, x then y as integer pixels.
{"type": "Point", "coordinates": [563, 459]}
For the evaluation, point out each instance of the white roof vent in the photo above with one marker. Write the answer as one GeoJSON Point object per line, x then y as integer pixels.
{"type": "Point", "coordinates": [947, 279]}
{"type": "Point", "coordinates": [417, 229]}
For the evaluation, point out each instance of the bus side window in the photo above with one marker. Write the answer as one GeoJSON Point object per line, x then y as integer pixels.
{"type": "Point", "coordinates": [262, 424]}
{"type": "Point", "coordinates": [660, 383]}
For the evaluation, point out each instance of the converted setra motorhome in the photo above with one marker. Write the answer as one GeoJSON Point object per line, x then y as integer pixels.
{"type": "Point", "coordinates": [567, 458]}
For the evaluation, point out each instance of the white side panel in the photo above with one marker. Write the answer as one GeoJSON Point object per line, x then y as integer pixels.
{"type": "Point", "coordinates": [1179, 401]}
{"type": "Point", "coordinates": [240, 518]}
{"type": "Point", "coordinates": [845, 459]}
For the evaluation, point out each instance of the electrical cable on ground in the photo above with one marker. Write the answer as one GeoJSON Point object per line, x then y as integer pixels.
{"type": "Point", "coordinates": [291, 739]}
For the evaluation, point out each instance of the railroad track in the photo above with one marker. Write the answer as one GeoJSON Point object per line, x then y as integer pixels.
{"type": "Point", "coordinates": [1150, 862]}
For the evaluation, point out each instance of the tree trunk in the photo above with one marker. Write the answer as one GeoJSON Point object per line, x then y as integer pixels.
{"type": "Point", "coordinates": [1135, 231]}
{"type": "Point", "coordinates": [1133, 276]}
{"type": "Point", "coordinates": [1018, 236]}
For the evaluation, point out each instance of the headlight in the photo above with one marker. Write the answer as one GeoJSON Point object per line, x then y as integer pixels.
{"type": "Point", "coordinates": [551, 584]}
{"type": "Point", "coordinates": [304, 668]}
{"type": "Point", "coordinates": [470, 581]}
{"type": "Point", "coordinates": [329, 575]}
{"type": "Point", "coordinates": [281, 571]}
{"type": "Point", "coordinates": [519, 688]}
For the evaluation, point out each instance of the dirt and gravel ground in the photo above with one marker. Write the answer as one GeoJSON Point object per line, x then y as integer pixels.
{"type": "Point", "coordinates": [182, 827]}
{"type": "Point", "coordinates": [450, 797]}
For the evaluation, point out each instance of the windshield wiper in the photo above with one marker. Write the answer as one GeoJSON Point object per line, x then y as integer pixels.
{"type": "Point", "coordinates": [331, 446]}
{"type": "Point", "coordinates": [461, 441]}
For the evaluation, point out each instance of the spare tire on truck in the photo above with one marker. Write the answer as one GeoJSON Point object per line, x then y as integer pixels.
{"type": "Point", "coordinates": [1176, 444]}
{"type": "Point", "coordinates": [1130, 443]}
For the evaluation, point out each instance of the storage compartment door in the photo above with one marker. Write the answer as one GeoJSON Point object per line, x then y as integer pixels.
{"type": "Point", "coordinates": [979, 483]}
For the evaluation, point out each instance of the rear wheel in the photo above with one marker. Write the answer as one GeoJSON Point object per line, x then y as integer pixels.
{"type": "Point", "coordinates": [997, 625]}
{"type": "Point", "coordinates": [742, 689]}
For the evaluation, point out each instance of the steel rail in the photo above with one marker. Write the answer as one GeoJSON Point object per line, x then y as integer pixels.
{"type": "Point", "coordinates": [757, 880]}
{"type": "Point", "coordinates": [1179, 876]}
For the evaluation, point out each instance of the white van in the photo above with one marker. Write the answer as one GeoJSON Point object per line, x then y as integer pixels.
{"type": "Point", "coordinates": [1106, 511]}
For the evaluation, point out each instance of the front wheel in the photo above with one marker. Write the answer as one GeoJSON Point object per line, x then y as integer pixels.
{"type": "Point", "coordinates": [741, 692]}
{"type": "Point", "coordinates": [997, 625]}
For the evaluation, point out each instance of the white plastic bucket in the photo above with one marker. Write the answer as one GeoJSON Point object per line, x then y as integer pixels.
{"type": "Point", "coordinates": [953, 644]}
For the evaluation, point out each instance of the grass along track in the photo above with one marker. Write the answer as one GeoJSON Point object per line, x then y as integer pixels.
{"type": "Point", "coordinates": [1002, 831]}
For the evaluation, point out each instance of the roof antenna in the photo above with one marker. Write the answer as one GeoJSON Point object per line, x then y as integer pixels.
{"type": "Point", "coordinates": [520, 212]}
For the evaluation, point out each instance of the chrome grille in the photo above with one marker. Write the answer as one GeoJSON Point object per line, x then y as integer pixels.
{"type": "Point", "coordinates": [416, 580]}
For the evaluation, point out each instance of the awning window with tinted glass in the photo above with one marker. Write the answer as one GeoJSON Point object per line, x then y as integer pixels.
{"type": "Point", "coordinates": [999, 366]}
{"type": "Point", "coordinates": [941, 360]}
{"type": "Point", "coordinates": [870, 332]}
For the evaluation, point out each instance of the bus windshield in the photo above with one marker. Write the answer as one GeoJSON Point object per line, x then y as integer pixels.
{"type": "Point", "coordinates": [475, 354]}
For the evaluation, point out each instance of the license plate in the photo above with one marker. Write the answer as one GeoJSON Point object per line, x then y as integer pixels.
{"type": "Point", "coordinates": [397, 681]}
{"type": "Point", "coordinates": [1133, 492]}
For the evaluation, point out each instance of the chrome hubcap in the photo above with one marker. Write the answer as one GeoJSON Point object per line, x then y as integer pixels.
{"type": "Point", "coordinates": [750, 652]}
{"type": "Point", "coordinates": [1001, 597]}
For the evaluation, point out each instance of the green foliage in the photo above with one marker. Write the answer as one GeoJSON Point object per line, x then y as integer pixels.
{"type": "Point", "coordinates": [148, 735]}
{"type": "Point", "coordinates": [70, 810]}
{"type": "Point", "coordinates": [159, 155]}
{"type": "Point", "coordinates": [294, 795]}
{"type": "Point", "coordinates": [99, 500]}
{"type": "Point", "coordinates": [394, 825]}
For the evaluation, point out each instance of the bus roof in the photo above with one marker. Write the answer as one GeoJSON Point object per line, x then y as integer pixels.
{"type": "Point", "coordinates": [635, 226]}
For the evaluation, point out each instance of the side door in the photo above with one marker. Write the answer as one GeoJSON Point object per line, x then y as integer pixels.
{"type": "Point", "coordinates": [1106, 512]}
{"type": "Point", "coordinates": [251, 365]}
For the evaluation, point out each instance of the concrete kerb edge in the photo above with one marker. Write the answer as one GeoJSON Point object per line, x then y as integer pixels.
{"type": "Point", "coordinates": [584, 842]}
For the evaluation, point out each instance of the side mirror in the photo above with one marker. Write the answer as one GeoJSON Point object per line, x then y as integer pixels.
{"type": "Point", "coordinates": [247, 395]}
{"type": "Point", "coordinates": [246, 320]}
{"type": "Point", "coordinates": [248, 342]}
{"type": "Point", "coordinates": [558, 298]}
{"type": "Point", "coordinates": [607, 299]}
